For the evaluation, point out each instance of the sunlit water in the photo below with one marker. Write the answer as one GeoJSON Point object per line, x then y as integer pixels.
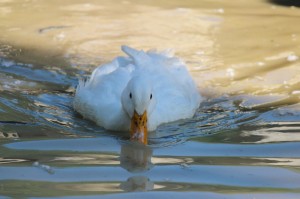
{"type": "Point", "coordinates": [243, 142]}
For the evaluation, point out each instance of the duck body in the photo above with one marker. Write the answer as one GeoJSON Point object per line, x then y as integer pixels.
{"type": "Point", "coordinates": [157, 83]}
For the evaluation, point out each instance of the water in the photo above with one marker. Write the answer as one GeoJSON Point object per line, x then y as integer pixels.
{"type": "Point", "coordinates": [243, 142]}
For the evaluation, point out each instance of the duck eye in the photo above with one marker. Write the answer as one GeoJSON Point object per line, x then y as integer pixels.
{"type": "Point", "coordinates": [130, 95]}
{"type": "Point", "coordinates": [151, 96]}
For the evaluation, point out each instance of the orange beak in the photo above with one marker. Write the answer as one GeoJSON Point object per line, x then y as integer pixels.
{"type": "Point", "coordinates": [138, 128]}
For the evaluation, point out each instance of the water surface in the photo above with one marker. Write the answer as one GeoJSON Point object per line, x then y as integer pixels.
{"type": "Point", "coordinates": [243, 142]}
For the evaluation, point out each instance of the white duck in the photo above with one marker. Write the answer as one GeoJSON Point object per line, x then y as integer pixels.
{"type": "Point", "coordinates": [138, 93]}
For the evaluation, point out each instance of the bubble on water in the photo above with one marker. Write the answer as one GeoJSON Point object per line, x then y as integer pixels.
{"type": "Point", "coordinates": [292, 58]}
{"type": "Point", "coordinates": [260, 63]}
{"type": "Point", "coordinates": [220, 10]}
{"type": "Point", "coordinates": [184, 166]}
{"type": "Point", "coordinates": [230, 72]}
{"type": "Point", "coordinates": [294, 38]}
{"type": "Point", "coordinates": [60, 37]}
{"type": "Point", "coordinates": [7, 63]}
{"type": "Point", "coordinates": [44, 167]}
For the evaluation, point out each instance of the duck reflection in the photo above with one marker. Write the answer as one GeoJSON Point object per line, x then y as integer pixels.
{"type": "Point", "coordinates": [137, 183]}
{"type": "Point", "coordinates": [136, 158]}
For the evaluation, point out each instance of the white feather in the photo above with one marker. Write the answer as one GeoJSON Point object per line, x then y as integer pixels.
{"type": "Point", "coordinates": [105, 96]}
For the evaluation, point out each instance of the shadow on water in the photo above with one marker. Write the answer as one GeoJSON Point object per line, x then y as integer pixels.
{"type": "Point", "coordinates": [36, 95]}
{"type": "Point", "coordinates": [39, 56]}
{"type": "Point", "coordinates": [295, 3]}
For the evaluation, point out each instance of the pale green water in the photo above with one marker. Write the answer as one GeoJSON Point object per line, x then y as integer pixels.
{"type": "Point", "coordinates": [244, 141]}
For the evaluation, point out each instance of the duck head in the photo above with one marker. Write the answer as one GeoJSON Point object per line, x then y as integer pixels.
{"type": "Point", "coordinates": [138, 101]}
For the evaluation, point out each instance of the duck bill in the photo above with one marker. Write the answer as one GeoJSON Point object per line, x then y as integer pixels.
{"type": "Point", "coordinates": [138, 128]}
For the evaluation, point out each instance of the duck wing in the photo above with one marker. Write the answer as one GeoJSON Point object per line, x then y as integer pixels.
{"type": "Point", "coordinates": [99, 97]}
